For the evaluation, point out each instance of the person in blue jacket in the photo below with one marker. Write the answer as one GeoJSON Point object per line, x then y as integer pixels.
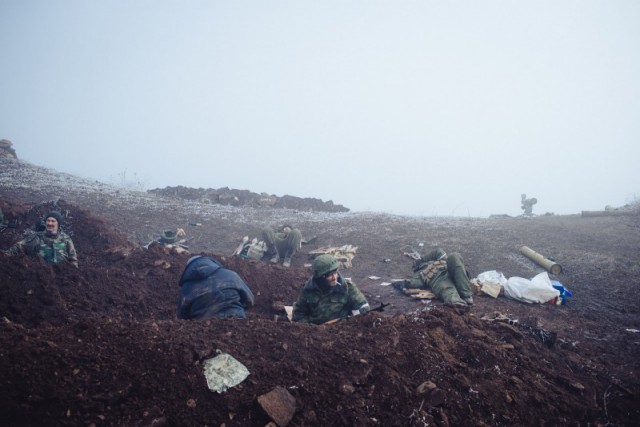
{"type": "Point", "coordinates": [207, 290]}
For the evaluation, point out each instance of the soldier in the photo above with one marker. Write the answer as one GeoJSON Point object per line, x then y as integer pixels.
{"type": "Point", "coordinates": [209, 290]}
{"type": "Point", "coordinates": [282, 244]}
{"type": "Point", "coordinates": [327, 295]}
{"type": "Point", "coordinates": [444, 274]}
{"type": "Point", "coordinates": [52, 244]}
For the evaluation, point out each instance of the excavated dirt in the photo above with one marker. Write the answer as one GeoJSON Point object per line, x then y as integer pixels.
{"type": "Point", "coordinates": [100, 345]}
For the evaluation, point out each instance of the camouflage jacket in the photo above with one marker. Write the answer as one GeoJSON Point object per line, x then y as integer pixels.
{"type": "Point", "coordinates": [54, 248]}
{"type": "Point", "coordinates": [430, 267]}
{"type": "Point", "coordinates": [320, 303]}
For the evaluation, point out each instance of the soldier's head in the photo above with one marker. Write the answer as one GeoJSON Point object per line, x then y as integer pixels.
{"type": "Point", "coordinates": [169, 236]}
{"type": "Point", "coordinates": [53, 221]}
{"type": "Point", "coordinates": [325, 269]}
{"type": "Point", "coordinates": [286, 229]}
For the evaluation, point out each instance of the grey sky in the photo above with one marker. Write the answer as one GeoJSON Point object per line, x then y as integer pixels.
{"type": "Point", "coordinates": [409, 107]}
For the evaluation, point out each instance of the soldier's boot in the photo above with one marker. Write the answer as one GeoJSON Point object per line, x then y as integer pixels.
{"type": "Point", "coordinates": [287, 258]}
{"type": "Point", "coordinates": [400, 285]}
{"type": "Point", "coordinates": [275, 258]}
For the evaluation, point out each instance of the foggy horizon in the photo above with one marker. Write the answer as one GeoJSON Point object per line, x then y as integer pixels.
{"type": "Point", "coordinates": [421, 109]}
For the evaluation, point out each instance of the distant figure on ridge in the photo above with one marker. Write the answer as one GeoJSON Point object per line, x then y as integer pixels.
{"type": "Point", "coordinates": [282, 244]}
{"type": "Point", "coordinates": [51, 244]}
{"type": "Point", "coordinates": [207, 290]}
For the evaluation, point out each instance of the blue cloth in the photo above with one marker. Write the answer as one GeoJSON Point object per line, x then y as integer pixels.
{"type": "Point", "coordinates": [564, 292]}
{"type": "Point", "coordinates": [209, 290]}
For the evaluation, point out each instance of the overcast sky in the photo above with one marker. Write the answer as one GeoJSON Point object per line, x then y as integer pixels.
{"type": "Point", "coordinates": [408, 107]}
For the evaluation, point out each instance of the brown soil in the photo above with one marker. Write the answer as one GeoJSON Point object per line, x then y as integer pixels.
{"type": "Point", "coordinates": [100, 345]}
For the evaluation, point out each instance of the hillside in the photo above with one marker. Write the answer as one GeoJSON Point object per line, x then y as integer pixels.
{"type": "Point", "coordinates": [100, 345]}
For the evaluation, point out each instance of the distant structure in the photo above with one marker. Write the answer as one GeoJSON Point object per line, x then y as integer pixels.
{"type": "Point", "coordinates": [6, 149]}
{"type": "Point", "coordinates": [527, 204]}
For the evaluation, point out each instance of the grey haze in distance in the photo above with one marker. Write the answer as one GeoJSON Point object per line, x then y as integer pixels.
{"type": "Point", "coordinates": [414, 108]}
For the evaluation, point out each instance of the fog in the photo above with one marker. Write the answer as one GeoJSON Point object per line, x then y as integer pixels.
{"type": "Point", "coordinates": [407, 107]}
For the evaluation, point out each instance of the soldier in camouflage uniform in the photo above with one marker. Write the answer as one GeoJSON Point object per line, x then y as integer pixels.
{"type": "Point", "coordinates": [282, 244]}
{"type": "Point", "coordinates": [327, 295]}
{"type": "Point", "coordinates": [444, 274]}
{"type": "Point", "coordinates": [52, 244]}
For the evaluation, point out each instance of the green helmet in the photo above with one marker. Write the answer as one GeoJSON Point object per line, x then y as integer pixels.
{"type": "Point", "coordinates": [168, 236]}
{"type": "Point", "coordinates": [324, 264]}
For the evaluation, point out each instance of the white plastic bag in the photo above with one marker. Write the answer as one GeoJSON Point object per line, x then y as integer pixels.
{"type": "Point", "coordinates": [537, 290]}
{"type": "Point", "coordinates": [492, 276]}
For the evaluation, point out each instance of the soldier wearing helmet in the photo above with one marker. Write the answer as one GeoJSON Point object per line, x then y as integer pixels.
{"type": "Point", "coordinates": [327, 295]}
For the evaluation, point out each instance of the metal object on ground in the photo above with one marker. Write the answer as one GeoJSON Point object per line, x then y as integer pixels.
{"type": "Point", "coordinates": [550, 266]}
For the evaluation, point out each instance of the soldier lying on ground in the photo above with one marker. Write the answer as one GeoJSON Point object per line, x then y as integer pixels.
{"type": "Point", "coordinates": [444, 274]}
{"type": "Point", "coordinates": [51, 244]}
{"type": "Point", "coordinates": [327, 295]}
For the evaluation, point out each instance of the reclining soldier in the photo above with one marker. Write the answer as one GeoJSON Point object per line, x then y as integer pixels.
{"type": "Point", "coordinates": [444, 274]}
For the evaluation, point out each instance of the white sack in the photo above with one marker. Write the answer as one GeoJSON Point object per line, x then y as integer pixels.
{"type": "Point", "coordinates": [537, 290]}
{"type": "Point", "coordinates": [492, 276]}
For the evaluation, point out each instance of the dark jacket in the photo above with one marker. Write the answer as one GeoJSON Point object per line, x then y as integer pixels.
{"type": "Point", "coordinates": [209, 290]}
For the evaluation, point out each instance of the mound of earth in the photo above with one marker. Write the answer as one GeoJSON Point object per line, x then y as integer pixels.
{"type": "Point", "coordinates": [100, 345]}
{"type": "Point", "coordinates": [228, 196]}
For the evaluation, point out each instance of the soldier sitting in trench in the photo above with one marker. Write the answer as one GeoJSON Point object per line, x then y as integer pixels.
{"type": "Point", "coordinates": [51, 243]}
{"type": "Point", "coordinates": [328, 296]}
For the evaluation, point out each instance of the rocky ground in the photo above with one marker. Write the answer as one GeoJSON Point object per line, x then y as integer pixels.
{"type": "Point", "coordinates": [100, 345]}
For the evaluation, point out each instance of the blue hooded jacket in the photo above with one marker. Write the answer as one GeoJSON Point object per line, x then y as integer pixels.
{"type": "Point", "coordinates": [209, 290]}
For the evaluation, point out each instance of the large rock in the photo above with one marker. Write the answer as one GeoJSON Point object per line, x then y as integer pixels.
{"type": "Point", "coordinates": [6, 149]}
{"type": "Point", "coordinates": [279, 405]}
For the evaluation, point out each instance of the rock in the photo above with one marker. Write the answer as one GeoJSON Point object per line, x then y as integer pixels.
{"type": "Point", "coordinates": [279, 405]}
{"type": "Point", "coordinates": [6, 149]}
{"type": "Point", "coordinates": [347, 389]}
{"type": "Point", "coordinates": [436, 397]}
{"type": "Point", "coordinates": [425, 387]}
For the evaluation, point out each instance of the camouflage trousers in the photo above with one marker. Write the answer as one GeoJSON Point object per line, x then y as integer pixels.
{"type": "Point", "coordinates": [450, 285]}
{"type": "Point", "coordinates": [285, 246]}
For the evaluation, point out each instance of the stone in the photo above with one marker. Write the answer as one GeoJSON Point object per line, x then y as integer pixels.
{"type": "Point", "coordinates": [279, 405]}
